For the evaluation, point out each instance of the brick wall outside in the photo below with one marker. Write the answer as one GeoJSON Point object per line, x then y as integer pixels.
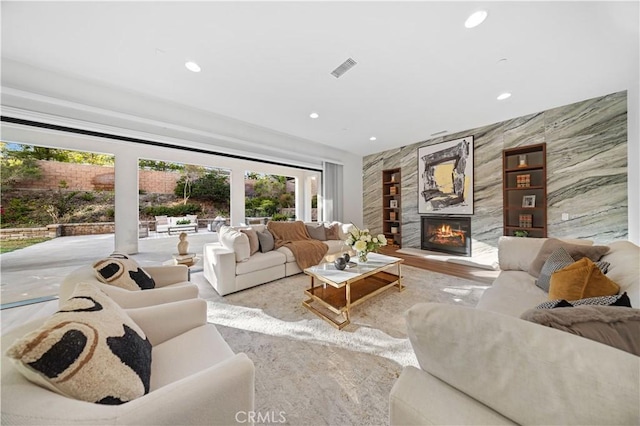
{"type": "Point", "coordinates": [87, 177]}
{"type": "Point", "coordinates": [57, 230]}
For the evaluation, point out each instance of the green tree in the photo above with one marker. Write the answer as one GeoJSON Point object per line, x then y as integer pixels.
{"type": "Point", "coordinates": [270, 186]}
{"type": "Point", "coordinates": [15, 168]}
{"type": "Point", "coordinates": [184, 186]}
{"type": "Point", "coordinates": [287, 200]}
{"type": "Point", "coordinates": [62, 155]}
{"type": "Point", "coordinates": [213, 186]}
{"type": "Point", "coordinates": [160, 166]}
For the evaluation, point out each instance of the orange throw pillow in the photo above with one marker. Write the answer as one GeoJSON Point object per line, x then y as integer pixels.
{"type": "Point", "coordinates": [580, 280]}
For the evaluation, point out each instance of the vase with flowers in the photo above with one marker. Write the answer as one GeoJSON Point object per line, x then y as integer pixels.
{"type": "Point", "coordinates": [363, 242]}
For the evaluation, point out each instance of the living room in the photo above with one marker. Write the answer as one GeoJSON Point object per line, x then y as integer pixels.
{"type": "Point", "coordinates": [572, 87]}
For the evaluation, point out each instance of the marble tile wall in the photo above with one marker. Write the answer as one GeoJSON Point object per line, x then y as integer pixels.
{"type": "Point", "coordinates": [586, 173]}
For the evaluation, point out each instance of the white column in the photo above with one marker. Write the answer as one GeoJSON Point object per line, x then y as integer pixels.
{"type": "Point", "coordinates": [300, 207]}
{"type": "Point", "coordinates": [126, 203]}
{"type": "Point", "coordinates": [237, 197]}
{"type": "Point", "coordinates": [307, 198]}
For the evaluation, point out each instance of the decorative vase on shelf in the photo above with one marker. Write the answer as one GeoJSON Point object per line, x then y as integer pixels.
{"type": "Point", "coordinates": [362, 256]}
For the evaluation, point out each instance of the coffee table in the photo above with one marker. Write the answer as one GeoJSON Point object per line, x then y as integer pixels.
{"type": "Point", "coordinates": [341, 290]}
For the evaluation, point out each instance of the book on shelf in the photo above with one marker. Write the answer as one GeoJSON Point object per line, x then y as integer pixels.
{"type": "Point", "coordinates": [525, 220]}
{"type": "Point", "coordinates": [523, 181]}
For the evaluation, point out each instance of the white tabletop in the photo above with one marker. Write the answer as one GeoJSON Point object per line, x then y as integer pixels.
{"type": "Point", "coordinates": [330, 272]}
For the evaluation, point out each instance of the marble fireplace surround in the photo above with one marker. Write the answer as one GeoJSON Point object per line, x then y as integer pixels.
{"type": "Point", "coordinates": [586, 173]}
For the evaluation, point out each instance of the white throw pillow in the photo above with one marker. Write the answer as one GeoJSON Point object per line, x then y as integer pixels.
{"type": "Point", "coordinates": [236, 241]}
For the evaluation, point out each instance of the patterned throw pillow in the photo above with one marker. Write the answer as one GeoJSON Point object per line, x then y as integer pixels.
{"type": "Point", "coordinates": [120, 271]}
{"type": "Point", "coordinates": [89, 350]}
{"type": "Point", "coordinates": [615, 300]}
{"type": "Point", "coordinates": [556, 261]}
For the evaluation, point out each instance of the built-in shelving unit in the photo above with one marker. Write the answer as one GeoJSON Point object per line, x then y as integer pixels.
{"type": "Point", "coordinates": [524, 187]}
{"type": "Point", "coordinates": [391, 207]}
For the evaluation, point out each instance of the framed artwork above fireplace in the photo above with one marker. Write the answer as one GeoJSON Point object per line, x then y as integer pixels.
{"type": "Point", "coordinates": [445, 177]}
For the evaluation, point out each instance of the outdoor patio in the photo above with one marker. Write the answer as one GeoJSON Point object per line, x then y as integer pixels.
{"type": "Point", "coordinates": [36, 272]}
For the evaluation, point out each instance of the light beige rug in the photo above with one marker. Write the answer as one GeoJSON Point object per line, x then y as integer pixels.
{"type": "Point", "coordinates": [308, 372]}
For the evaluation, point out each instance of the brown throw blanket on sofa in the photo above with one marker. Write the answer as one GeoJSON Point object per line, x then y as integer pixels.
{"type": "Point", "coordinates": [294, 236]}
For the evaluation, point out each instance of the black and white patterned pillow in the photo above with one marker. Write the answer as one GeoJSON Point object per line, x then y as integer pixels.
{"type": "Point", "coordinates": [120, 271]}
{"type": "Point", "coordinates": [89, 350]}
{"type": "Point", "coordinates": [603, 266]}
{"type": "Point", "coordinates": [559, 259]}
{"type": "Point", "coordinates": [615, 300]}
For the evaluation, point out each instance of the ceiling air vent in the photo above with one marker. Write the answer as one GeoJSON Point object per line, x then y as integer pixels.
{"type": "Point", "coordinates": [344, 67]}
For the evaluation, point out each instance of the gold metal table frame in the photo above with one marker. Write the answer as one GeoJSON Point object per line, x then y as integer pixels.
{"type": "Point", "coordinates": [341, 290]}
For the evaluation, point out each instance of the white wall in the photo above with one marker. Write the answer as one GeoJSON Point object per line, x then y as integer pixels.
{"type": "Point", "coordinates": [633, 155]}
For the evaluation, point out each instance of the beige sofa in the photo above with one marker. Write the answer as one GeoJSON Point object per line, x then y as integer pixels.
{"type": "Point", "coordinates": [196, 378]}
{"type": "Point", "coordinates": [488, 366]}
{"type": "Point", "coordinates": [229, 273]}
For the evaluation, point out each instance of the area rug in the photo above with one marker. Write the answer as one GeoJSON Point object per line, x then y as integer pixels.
{"type": "Point", "coordinates": [310, 373]}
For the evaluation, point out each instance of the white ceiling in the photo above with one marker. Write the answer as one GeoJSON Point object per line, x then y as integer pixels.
{"type": "Point", "coordinates": [419, 70]}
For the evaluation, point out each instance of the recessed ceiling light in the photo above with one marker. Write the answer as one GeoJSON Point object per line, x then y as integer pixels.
{"type": "Point", "coordinates": [372, 138]}
{"type": "Point", "coordinates": [476, 19]}
{"type": "Point", "coordinates": [503, 96]}
{"type": "Point", "coordinates": [192, 66]}
{"type": "Point", "coordinates": [314, 115]}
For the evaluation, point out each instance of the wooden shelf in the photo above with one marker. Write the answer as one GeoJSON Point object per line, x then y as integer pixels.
{"type": "Point", "coordinates": [391, 190]}
{"type": "Point", "coordinates": [520, 181]}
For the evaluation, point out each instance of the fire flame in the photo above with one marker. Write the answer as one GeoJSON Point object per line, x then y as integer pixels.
{"type": "Point", "coordinates": [445, 231]}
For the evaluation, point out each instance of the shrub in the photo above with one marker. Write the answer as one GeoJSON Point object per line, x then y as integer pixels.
{"type": "Point", "coordinates": [88, 196]}
{"type": "Point", "coordinates": [178, 210]}
{"type": "Point", "coordinates": [279, 217]}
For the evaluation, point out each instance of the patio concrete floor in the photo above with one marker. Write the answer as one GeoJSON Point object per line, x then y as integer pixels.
{"type": "Point", "coordinates": [37, 271]}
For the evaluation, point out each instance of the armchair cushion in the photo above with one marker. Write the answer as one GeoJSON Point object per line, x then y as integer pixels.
{"type": "Point", "coordinates": [121, 271]}
{"type": "Point", "coordinates": [89, 350]}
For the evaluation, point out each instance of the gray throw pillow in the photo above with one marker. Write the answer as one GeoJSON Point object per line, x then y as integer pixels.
{"type": "Point", "coordinates": [267, 242]}
{"type": "Point", "coordinates": [317, 232]}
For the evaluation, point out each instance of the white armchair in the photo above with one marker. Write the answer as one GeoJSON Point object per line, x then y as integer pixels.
{"type": "Point", "coordinates": [195, 378]}
{"type": "Point", "coordinates": [172, 284]}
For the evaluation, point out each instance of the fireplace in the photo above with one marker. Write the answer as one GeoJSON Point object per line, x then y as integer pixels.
{"type": "Point", "coordinates": [446, 234]}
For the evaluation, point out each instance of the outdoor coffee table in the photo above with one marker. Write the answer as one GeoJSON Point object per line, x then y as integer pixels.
{"type": "Point", "coordinates": [341, 290]}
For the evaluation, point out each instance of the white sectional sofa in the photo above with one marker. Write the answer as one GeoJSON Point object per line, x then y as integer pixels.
{"type": "Point", "coordinates": [228, 272]}
{"type": "Point", "coordinates": [488, 366]}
